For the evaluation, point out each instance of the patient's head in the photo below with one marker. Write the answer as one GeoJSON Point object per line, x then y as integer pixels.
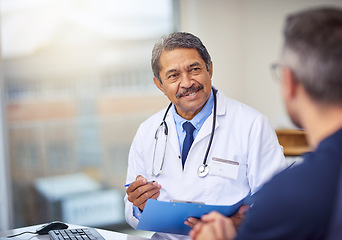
{"type": "Point", "coordinates": [313, 51]}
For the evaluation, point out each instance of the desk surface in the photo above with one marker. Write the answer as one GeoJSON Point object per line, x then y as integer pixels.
{"type": "Point", "coordinates": [105, 233]}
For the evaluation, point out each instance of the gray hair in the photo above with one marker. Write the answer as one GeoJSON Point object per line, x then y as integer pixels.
{"type": "Point", "coordinates": [174, 41]}
{"type": "Point", "coordinates": [313, 51]}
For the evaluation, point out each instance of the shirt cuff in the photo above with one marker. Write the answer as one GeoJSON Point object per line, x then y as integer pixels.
{"type": "Point", "coordinates": [136, 212]}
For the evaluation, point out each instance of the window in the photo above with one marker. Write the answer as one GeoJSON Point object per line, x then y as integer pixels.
{"type": "Point", "coordinates": [78, 82]}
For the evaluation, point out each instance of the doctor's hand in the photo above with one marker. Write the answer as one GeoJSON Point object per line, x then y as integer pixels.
{"type": "Point", "coordinates": [214, 226]}
{"type": "Point", "coordinates": [239, 217]}
{"type": "Point", "coordinates": [192, 221]}
{"type": "Point", "coordinates": [141, 190]}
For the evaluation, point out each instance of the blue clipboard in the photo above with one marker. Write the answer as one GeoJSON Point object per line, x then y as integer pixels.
{"type": "Point", "coordinates": [169, 217]}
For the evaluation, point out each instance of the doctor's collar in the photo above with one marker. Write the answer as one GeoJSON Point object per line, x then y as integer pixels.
{"type": "Point", "coordinates": [200, 117]}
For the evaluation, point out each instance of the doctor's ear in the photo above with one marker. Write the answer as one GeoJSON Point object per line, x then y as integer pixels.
{"type": "Point", "coordinates": [158, 84]}
{"type": "Point", "coordinates": [210, 69]}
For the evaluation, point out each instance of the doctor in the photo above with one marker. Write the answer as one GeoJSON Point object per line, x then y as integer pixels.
{"type": "Point", "coordinates": [204, 147]}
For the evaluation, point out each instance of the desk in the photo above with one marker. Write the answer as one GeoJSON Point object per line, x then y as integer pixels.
{"type": "Point", "coordinates": [105, 233]}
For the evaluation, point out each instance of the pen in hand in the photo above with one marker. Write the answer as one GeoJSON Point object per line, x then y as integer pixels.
{"type": "Point", "coordinates": [148, 181]}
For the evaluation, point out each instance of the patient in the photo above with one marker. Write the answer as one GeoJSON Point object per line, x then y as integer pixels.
{"type": "Point", "coordinates": [304, 202]}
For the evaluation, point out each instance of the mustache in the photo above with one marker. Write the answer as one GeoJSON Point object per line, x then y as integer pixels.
{"type": "Point", "coordinates": [191, 89]}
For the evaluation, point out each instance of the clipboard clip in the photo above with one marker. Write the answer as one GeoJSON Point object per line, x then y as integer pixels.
{"type": "Point", "coordinates": [181, 201]}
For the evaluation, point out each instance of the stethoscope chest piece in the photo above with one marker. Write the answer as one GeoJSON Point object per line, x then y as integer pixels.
{"type": "Point", "coordinates": [203, 170]}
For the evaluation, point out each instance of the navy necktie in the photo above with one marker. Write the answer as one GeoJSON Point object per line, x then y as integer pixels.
{"type": "Point", "coordinates": [188, 140]}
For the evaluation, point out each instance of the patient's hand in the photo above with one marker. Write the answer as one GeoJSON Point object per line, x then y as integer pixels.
{"type": "Point", "coordinates": [214, 226]}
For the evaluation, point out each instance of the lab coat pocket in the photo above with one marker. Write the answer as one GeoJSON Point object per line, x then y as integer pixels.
{"type": "Point", "coordinates": [224, 168]}
{"type": "Point", "coordinates": [225, 183]}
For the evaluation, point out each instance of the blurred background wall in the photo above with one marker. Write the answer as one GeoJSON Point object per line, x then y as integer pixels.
{"type": "Point", "coordinates": [244, 37]}
{"type": "Point", "coordinates": [77, 83]}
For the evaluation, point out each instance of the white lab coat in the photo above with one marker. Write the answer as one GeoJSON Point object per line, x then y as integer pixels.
{"type": "Point", "coordinates": [242, 134]}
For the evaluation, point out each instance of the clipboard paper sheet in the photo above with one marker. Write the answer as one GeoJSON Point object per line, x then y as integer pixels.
{"type": "Point", "coordinates": [169, 217]}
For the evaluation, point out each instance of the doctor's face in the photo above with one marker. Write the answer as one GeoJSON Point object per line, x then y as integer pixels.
{"type": "Point", "coordinates": [185, 80]}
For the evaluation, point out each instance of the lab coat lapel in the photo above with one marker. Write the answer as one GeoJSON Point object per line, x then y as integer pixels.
{"type": "Point", "coordinates": [173, 138]}
{"type": "Point", "coordinates": [207, 126]}
{"type": "Point", "coordinates": [205, 129]}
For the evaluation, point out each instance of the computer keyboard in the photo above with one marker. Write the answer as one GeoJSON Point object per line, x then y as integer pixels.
{"type": "Point", "coordinates": [75, 234]}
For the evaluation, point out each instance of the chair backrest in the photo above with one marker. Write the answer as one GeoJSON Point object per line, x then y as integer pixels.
{"type": "Point", "coordinates": [293, 141]}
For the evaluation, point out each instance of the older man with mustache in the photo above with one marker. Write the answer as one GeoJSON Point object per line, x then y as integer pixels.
{"type": "Point", "coordinates": [204, 147]}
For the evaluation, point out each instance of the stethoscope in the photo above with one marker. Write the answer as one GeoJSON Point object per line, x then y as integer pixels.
{"type": "Point", "coordinates": [203, 170]}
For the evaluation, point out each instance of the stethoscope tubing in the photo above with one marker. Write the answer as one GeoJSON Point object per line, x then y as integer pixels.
{"type": "Point", "coordinates": [166, 132]}
{"type": "Point", "coordinates": [212, 131]}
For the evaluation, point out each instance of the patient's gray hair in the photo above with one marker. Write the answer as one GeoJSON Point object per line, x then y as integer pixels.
{"type": "Point", "coordinates": [313, 51]}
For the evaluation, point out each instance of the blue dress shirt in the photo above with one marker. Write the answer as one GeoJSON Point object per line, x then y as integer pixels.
{"type": "Point", "coordinates": [197, 121]}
